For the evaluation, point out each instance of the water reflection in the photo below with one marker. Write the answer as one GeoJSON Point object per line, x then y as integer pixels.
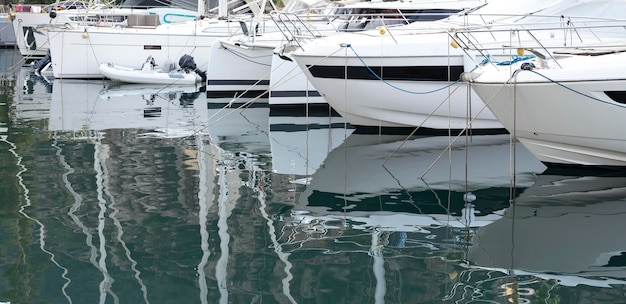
{"type": "Point", "coordinates": [566, 227]}
{"type": "Point", "coordinates": [98, 105]}
{"type": "Point", "coordinates": [301, 143]}
{"type": "Point", "coordinates": [32, 96]}
{"type": "Point", "coordinates": [239, 125]}
{"type": "Point", "coordinates": [10, 61]}
{"type": "Point", "coordinates": [367, 206]}
{"type": "Point", "coordinates": [215, 200]}
{"type": "Point", "coordinates": [421, 174]}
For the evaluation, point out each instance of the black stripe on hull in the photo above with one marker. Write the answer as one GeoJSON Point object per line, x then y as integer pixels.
{"type": "Point", "coordinates": [425, 131]}
{"type": "Point", "coordinates": [235, 105]}
{"type": "Point", "coordinates": [249, 90]}
{"type": "Point", "coordinates": [406, 73]}
{"type": "Point", "coordinates": [304, 110]}
{"type": "Point", "coordinates": [295, 94]}
{"type": "Point", "coordinates": [237, 82]}
{"type": "Point", "coordinates": [237, 94]}
{"type": "Point", "coordinates": [307, 127]}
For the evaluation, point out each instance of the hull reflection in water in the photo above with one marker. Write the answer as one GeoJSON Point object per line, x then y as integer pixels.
{"type": "Point", "coordinates": [564, 227]}
{"type": "Point", "coordinates": [301, 143]}
{"type": "Point", "coordinates": [239, 125]}
{"type": "Point", "coordinates": [401, 230]}
{"type": "Point", "coordinates": [381, 173]}
{"type": "Point", "coordinates": [32, 95]}
{"type": "Point", "coordinates": [126, 215]}
{"type": "Point", "coordinates": [169, 111]}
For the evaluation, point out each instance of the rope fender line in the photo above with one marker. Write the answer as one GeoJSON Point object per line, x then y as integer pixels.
{"type": "Point", "coordinates": [516, 72]}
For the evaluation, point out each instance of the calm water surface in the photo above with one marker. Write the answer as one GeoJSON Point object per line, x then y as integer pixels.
{"type": "Point", "coordinates": [143, 194]}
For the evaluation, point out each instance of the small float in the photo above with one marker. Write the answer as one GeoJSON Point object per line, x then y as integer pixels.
{"type": "Point", "coordinates": [187, 73]}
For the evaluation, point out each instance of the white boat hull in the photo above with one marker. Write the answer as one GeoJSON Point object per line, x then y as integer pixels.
{"type": "Point", "coordinates": [79, 53]}
{"type": "Point", "coordinates": [235, 68]}
{"type": "Point", "coordinates": [408, 76]}
{"type": "Point", "coordinates": [365, 100]}
{"type": "Point", "coordinates": [564, 116]}
{"type": "Point", "coordinates": [289, 86]}
{"type": "Point", "coordinates": [32, 43]}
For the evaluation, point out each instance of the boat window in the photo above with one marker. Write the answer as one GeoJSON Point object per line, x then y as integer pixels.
{"type": "Point", "coordinates": [428, 14]}
{"type": "Point", "coordinates": [371, 18]}
{"type": "Point", "coordinates": [617, 96]}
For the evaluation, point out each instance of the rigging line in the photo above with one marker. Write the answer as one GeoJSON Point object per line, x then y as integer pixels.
{"type": "Point", "coordinates": [345, 151]}
{"type": "Point", "coordinates": [464, 129]}
{"type": "Point", "coordinates": [17, 65]}
{"type": "Point", "coordinates": [424, 121]}
{"type": "Point", "coordinates": [394, 86]}
{"type": "Point", "coordinates": [513, 135]}
{"type": "Point", "coordinates": [512, 204]}
{"type": "Point", "coordinates": [246, 58]}
{"type": "Point", "coordinates": [449, 198]}
{"type": "Point", "coordinates": [404, 189]}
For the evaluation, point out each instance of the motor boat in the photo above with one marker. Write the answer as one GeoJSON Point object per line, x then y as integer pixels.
{"type": "Point", "coordinates": [409, 76]}
{"type": "Point", "coordinates": [186, 74]}
{"type": "Point", "coordinates": [585, 91]}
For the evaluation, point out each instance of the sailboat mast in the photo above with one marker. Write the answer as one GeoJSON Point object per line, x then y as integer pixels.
{"type": "Point", "coordinates": [222, 8]}
{"type": "Point", "coordinates": [201, 8]}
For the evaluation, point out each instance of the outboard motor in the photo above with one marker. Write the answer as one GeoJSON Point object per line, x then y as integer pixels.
{"type": "Point", "coordinates": [149, 64]}
{"type": "Point", "coordinates": [41, 63]}
{"type": "Point", "coordinates": [186, 63]}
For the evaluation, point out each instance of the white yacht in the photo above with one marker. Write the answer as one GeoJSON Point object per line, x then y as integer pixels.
{"type": "Point", "coordinates": [409, 76]}
{"type": "Point", "coordinates": [244, 63]}
{"type": "Point", "coordinates": [567, 109]}
{"type": "Point", "coordinates": [78, 52]}
{"type": "Point", "coordinates": [31, 24]}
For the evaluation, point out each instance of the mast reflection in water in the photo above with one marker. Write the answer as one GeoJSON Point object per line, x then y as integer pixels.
{"type": "Point", "coordinates": [125, 194]}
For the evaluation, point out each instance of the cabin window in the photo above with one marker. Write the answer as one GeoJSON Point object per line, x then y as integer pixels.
{"type": "Point", "coordinates": [617, 96]}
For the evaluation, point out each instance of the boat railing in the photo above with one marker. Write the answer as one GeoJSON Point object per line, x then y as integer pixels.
{"type": "Point", "coordinates": [294, 28]}
{"type": "Point", "coordinates": [298, 27]}
{"type": "Point", "coordinates": [547, 41]}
